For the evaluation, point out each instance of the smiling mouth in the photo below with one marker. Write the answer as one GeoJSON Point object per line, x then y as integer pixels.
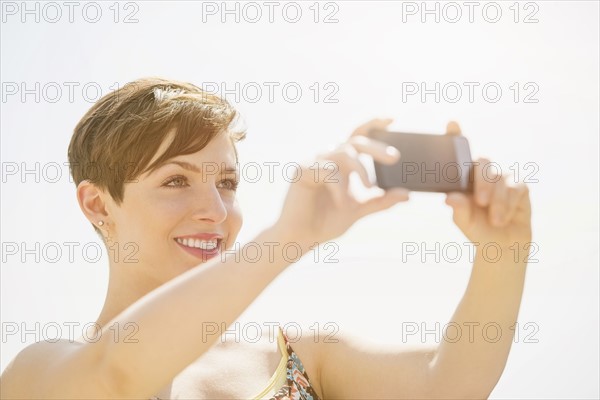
{"type": "Point", "coordinates": [199, 243]}
{"type": "Point", "coordinates": [202, 249]}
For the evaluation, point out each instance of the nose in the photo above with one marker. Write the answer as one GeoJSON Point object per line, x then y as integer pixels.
{"type": "Point", "coordinates": [209, 206]}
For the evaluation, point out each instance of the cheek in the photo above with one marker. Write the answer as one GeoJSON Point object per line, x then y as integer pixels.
{"type": "Point", "coordinates": [152, 218]}
{"type": "Point", "coordinates": [235, 220]}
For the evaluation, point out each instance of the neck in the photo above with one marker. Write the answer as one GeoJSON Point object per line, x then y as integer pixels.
{"type": "Point", "coordinates": [126, 285]}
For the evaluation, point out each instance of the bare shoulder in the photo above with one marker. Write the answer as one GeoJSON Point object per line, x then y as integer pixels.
{"type": "Point", "coordinates": [20, 376]}
{"type": "Point", "coordinates": [40, 355]}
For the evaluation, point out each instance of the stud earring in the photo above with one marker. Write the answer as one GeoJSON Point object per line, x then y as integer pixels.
{"type": "Point", "coordinates": [101, 223]}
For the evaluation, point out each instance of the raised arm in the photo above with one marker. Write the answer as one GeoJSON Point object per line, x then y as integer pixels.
{"type": "Point", "coordinates": [498, 220]}
{"type": "Point", "coordinates": [460, 367]}
{"type": "Point", "coordinates": [175, 325]}
{"type": "Point", "coordinates": [174, 320]}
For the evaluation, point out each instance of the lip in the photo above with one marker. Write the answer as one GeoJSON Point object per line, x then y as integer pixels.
{"type": "Point", "coordinates": [202, 236]}
{"type": "Point", "coordinates": [203, 255]}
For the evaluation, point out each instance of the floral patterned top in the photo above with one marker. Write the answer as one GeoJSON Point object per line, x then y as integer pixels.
{"type": "Point", "coordinates": [290, 380]}
{"type": "Point", "coordinates": [294, 384]}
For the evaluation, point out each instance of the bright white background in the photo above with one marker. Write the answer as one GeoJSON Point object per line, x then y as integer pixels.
{"type": "Point", "coordinates": [367, 54]}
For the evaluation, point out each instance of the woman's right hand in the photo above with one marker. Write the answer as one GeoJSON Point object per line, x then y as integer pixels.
{"type": "Point", "coordinates": [319, 206]}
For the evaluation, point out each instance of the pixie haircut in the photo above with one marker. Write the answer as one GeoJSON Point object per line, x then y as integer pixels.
{"type": "Point", "coordinates": [117, 138]}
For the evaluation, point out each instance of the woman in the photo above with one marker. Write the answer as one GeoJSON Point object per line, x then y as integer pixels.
{"type": "Point", "coordinates": [154, 163]}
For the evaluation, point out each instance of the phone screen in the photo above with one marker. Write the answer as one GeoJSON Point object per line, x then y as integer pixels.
{"type": "Point", "coordinates": [428, 163]}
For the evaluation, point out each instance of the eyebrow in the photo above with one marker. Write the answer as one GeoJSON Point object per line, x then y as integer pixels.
{"type": "Point", "coordinates": [194, 168]}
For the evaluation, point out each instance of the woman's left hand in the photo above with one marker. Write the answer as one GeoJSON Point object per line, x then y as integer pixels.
{"type": "Point", "coordinates": [498, 211]}
{"type": "Point", "coordinates": [320, 206]}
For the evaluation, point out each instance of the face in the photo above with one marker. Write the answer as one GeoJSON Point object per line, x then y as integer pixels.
{"type": "Point", "coordinates": [181, 214]}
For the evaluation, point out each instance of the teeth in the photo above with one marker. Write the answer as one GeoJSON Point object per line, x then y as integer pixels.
{"type": "Point", "coordinates": [199, 244]}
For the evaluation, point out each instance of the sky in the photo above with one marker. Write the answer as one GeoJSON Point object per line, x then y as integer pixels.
{"type": "Point", "coordinates": [520, 77]}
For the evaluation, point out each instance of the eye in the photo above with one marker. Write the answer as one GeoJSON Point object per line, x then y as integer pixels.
{"type": "Point", "coordinates": [230, 184]}
{"type": "Point", "coordinates": [176, 182]}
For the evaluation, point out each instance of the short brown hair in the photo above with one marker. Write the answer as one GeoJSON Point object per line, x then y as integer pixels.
{"type": "Point", "coordinates": [117, 138]}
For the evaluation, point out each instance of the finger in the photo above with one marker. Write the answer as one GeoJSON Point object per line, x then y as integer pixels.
{"type": "Point", "coordinates": [485, 178]}
{"type": "Point", "coordinates": [380, 151]}
{"type": "Point", "coordinates": [323, 171]}
{"type": "Point", "coordinates": [517, 199]}
{"type": "Point", "coordinates": [461, 209]}
{"type": "Point", "coordinates": [453, 129]}
{"type": "Point", "coordinates": [328, 174]}
{"type": "Point", "coordinates": [339, 191]}
{"type": "Point", "coordinates": [383, 202]}
{"type": "Point", "coordinates": [346, 162]}
{"type": "Point", "coordinates": [374, 124]}
{"type": "Point", "coordinates": [498, 204]}
{"type": "Point", "coordinates": [355, 165]}
{"type": "Point", "coordinates": [323, 176]}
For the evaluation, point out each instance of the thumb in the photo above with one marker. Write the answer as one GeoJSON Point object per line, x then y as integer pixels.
{"type": "Point", "coordinates": [461, 207]}
{"type": "Point", "coordinates": [385, 201]}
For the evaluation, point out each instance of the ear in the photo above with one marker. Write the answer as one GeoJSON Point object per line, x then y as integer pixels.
{"type": "Point", "coordinates": [92, 202]}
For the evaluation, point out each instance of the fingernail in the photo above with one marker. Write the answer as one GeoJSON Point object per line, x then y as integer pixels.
{"type": "Point", "coordinates": [392, 151]}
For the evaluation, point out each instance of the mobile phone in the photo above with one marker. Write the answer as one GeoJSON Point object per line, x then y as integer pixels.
{"type": "Point", "coordinates": [428, 163]}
